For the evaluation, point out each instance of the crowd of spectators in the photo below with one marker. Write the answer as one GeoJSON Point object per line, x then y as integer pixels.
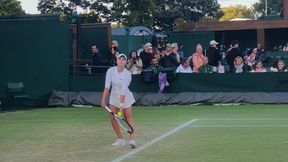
{"type": "Point", "coordinates": [211, 60]}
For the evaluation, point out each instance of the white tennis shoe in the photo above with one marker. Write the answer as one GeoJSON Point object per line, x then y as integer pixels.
{"type": "Point", "coordinates": [119, 142]}
{"type": "Point", "coordinates": [132, 143]}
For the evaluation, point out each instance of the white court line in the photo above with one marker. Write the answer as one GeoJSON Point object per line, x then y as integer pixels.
{"type": "Point", "coordinates": [251, 119]}
{"type": "Point", "coordinates": [239, 125]}
{"type": "Point", "coordinates": [125, 156]}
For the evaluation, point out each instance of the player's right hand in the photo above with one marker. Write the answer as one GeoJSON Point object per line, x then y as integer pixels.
{"type": "Point", "coordinates": [103, 103]}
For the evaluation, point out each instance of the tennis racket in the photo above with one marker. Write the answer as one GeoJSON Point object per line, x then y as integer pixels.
{"type": "Point", "coordinates": [121, 121]}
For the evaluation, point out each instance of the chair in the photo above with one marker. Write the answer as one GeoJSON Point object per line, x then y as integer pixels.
{"type": "Point", "coordinates": [16, 93]}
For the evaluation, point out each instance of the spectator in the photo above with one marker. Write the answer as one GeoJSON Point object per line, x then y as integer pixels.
{"type": "Point", "coordinates": [156, 54]}
{"type": "Point", "coordinates": [114, 53]}
{"type": "Point", "coordinates": [258, 67]}
{"type": "Point", "coordinates": [213, 54]}
{"type": "Point", "coordinates": [181, 51]}
{"type": "Point", "coordinates": [260, 51]}
{"type": "Point", "coordinates": [240, 66]}
{"type": "Point", "coordinates": [175, 49]}
{"type": "Point", "coordinates": [198, 58]}
{"type": "Point", "coordinates": [134, 64]}
{"type": "Point", "coordinates": [279, 66]}
{"type": "Point", "coordinates": [205, 68]}
{"type": "Point", "coordinates": [95, 59]}
{"type": "Point", "coordinates": [169, 59]}
{"type": "Point", "coordinates": [232, 54]}
{"type": "Point", "coordinates": [250, 58]}
{"type": "Point", "coordinates": [140, 49]}
{"type": "Point", "coordinates": [184, 67]}
{"type": "Point", "coordinates": [285, 48]}
{"type": "Point", "coordinates": [146, 55]}
{"type": "Point", "coordinates": [114, 43]}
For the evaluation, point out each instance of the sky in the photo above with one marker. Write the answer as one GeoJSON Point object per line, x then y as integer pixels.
{"type": "Point", "coordinates": [30, 6]}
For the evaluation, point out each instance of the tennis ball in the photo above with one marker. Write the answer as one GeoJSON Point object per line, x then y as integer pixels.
{"type": "Point", "coordinates": [120, 114]}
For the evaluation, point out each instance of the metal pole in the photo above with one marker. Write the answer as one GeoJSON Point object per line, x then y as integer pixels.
{"type": "Point", "coordinates": [266, 8]}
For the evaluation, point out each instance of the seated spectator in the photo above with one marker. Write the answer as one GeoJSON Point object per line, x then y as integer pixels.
{"type": "Point", "coordinates": [205, 68]}
{"type": "Point", "coordinates": [198, 58]}
{"type": "Point", "coordinates": [258, 67]}
{"type": "Point", "coordinates": [279, 66]}
{"type": "Point", "coordinates": [250, 58]}
{"type": "Point", "coordinates": [240, 66]}
{"type": "Point", "coordinates": [134, 63]}
{"type": "Point", "coordinates": [184, 67]}
{"type": "Point", "coordinates": [260, 51]}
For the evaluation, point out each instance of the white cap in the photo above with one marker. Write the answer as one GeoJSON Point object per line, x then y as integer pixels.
{"type": "Point", "coordinates": [122, 55]}
{"type": "Point", "coordinates": [212, 42]}
{"type": "Point", "coordinates": [148, 45]}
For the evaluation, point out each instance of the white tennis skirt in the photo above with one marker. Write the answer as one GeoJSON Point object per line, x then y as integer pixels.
{"type": "Point", "coordinates": [115, 99]}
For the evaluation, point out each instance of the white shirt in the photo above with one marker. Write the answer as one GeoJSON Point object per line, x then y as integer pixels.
{"type": "Point", "coordinates": [119, 83]}
{"type": "Point", "coordinates": [181, 69]}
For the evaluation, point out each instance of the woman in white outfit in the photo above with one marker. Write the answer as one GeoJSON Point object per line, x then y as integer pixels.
{"type": "Point", "coordinates": [119, 78]}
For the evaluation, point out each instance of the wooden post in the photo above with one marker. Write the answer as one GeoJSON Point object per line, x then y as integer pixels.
{"type": "Point", "coordinates": [261, 37]}
{"type": "Point", "coordinates": [285, 9]}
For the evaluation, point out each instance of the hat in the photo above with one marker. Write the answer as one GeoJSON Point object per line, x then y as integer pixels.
{"type": "Point", "coordinates": [122, 55]}
{"type": "Point", "coordinates": [173, 45]}
{"type": "Point", "coordinates": [148, 45]}
{"type": "Point", "coordinates": [212, 42]}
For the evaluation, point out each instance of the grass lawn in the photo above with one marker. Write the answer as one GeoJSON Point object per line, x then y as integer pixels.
{"type": "Point", "coordinates": [244, 133]}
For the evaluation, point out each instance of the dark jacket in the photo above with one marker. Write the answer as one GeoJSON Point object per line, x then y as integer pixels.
{"type": "Point", "coordinates": [146, 59]}
{"type": "Point", "coordinates": [245, 69]}
{"type": "Point", "coordinates": [169, 60]}
{"type": "Point", "coordinates": [214, 56]}
{"type": "Point", "coordinates": [232, 54]}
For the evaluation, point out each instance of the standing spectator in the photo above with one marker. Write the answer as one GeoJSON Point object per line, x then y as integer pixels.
{"type": "Point", "coordinates": [175, 49]}
{"type": "Point", "coordinates": [169, 59]}
{"type": "Point", "coordinates": [114, 53]}
{"type": "Point", "coordinates": [285, 48]}
{"type": "Point", "coordinates": [134, 64]}
{"type": "Point", "coordinates": [258, 67]}
{"type": "Point", "coordinates": [205, 68]}
{"type": "Point", "coordinates": [213, 54]}
{"type": "Point", "coordinates": [146, 55]}
{"type": "Point", "coordinates": [240, 66]}
{"type": "Point", "coordinates": [184, 67]}
{"type": "Point", "coordinates": [260, 51]}
{"type": "Point", "coordinates": [114, 43]}
{"type": "Point", "coordinates": [198, 58]}
{"type": "Point", "coordinates": [181, 51]}
{"type": "Point", "coordinates": [232, 54]}
{"type": "Point", "coordinates": [250, 58]}
{"type": "Point", "coordinates": [279, 66]}
{"type": "Point", "coordinates": [95, 59]}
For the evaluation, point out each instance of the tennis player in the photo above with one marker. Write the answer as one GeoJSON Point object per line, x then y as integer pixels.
{"type": "Point", "coordinates": [121, 98]}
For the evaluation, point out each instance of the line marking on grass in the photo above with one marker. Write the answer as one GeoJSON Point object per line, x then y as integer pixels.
{"type": "Point", "coordinates": [239, 125]}
{"type": "Point", "coordinates": [125, 156]}
{"type": "Point", "coordinates": [247, 119]}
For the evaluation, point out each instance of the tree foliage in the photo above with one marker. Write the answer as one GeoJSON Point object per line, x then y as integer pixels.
{"type": "Point", "coordinates": [157, 14]}
{"type": "Point", "coordinates": [237, 11]}
{"type": "Point", "coordinates": [273, 7]}
{"type": "Point", "coordinates": [10, 8]}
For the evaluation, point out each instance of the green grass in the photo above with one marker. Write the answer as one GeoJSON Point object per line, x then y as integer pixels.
{"type": "Point", "coordinates": [245, 133]}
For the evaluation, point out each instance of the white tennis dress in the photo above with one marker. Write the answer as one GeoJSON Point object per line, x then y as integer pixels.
{"type": "Point", "coordinates": [120, 83]}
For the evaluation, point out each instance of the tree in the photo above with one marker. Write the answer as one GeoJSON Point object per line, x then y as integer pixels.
{"type": "Point", "coordinates": [273, 7]}
{"type": "Point", "coordinates": [11, 8]}
{"type": "Point", "coordinates": [190, 10]}
{"type": "Point", "coordinates": [237, 11]}
{"type": "Point", "coordinates": [67, 8]}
